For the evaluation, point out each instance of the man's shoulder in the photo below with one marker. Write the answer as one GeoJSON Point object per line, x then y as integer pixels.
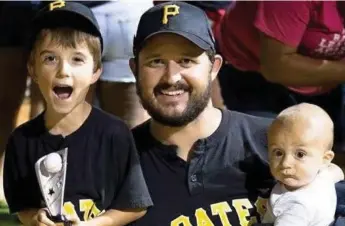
{"type": "Point", "coordinates": [245, 125]}
{"type": "Point", "coordinates": [250, 121]}
{"type": "Point", "coordinates": [106, 122]}
{"type": "Point", "coordinates": [141, 129]}
{"type": "Point", "coordinates": [141, 135]}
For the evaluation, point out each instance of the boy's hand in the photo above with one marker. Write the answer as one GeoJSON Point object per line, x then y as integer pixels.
{"type": "Point", "coordinates": [42, 219]}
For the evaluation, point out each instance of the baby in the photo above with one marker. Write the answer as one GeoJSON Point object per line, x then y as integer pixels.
{"type": "Point", "coordinates": [300, 144]}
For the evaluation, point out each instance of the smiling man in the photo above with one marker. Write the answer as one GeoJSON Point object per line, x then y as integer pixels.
{"type": "Point", "coordinates": [202, 165]}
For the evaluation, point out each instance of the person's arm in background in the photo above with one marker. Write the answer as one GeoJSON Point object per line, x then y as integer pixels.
{"type": "Point", "coordinates": [282, 26]}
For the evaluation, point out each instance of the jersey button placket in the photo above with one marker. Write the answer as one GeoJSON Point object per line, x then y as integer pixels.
{"type": "Point", "coordinates": [193, 178]}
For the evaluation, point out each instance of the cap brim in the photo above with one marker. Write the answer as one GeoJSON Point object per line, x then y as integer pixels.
{"type": "Point", "coordinates": [75, 20]}
{"type": "Point", "coordinates": [193, 38]}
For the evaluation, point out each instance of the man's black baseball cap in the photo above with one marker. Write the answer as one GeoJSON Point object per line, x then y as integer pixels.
{"type": "Point", "coordinates": [65, 14]}
{"type": "Point", "coordinates": [178, 18]}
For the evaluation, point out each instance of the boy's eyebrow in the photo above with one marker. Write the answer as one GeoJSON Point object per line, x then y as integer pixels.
{"type": "Point", "coordinates": [79, 53]}
{"type": "Point", "coordinates": [50, 51]}
{"type": "Point", "coordinates": [45, 51]}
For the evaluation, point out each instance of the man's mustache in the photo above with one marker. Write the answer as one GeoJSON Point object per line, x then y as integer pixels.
{"type": "Point", "coordinates": [176, 86]}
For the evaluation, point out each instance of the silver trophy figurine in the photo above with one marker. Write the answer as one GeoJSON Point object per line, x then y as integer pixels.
{"type": "Point", "coordinates": [51, 175]}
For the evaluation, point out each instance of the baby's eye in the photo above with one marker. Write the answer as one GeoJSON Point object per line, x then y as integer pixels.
{"type": "Point", "coordinates": [277, 152]}
{"type": "Point", "coordinates": [300, 154]}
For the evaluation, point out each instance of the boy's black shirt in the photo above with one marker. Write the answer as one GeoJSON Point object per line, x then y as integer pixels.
{"type": "Point", "coordinates": [103, 169]}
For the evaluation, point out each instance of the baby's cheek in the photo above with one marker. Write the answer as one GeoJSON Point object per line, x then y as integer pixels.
{"type": "Point", "coordinates": [310, 173]}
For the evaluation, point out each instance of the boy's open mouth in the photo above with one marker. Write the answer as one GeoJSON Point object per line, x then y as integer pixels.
{"type": "Point", "coordinates": [63, 91]}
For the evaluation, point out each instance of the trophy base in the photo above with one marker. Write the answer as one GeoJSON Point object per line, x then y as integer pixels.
{"type": "Point", "coordinates": [60, 219]}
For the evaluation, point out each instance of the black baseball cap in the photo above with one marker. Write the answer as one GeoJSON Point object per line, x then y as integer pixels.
{"type": "Point", "coordinates": [65, 14]}
{"type": "Point", "coordinates": [178, 18]}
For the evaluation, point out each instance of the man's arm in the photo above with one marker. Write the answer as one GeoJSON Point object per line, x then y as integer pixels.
{"type": "Point", "coordinates": [112, 218]}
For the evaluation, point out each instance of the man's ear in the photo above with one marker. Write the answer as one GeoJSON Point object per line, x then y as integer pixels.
{"type": "Point", "coordinates": [133, 66]}
{"type": "Point", "coordinates": [217, 64]}
{"type": "Point", "coordinates": [328, 157]}
{"type": "Point", "coordinates": [96, 75]}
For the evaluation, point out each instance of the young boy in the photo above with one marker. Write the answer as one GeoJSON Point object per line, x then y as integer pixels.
{"type": "Point", "coordinates": [104, 182]}
{"type": "Point", "coordinates": [300, 144]}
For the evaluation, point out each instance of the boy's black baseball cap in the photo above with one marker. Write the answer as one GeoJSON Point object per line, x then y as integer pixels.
{"type": "Point", "coordinates": [178, 18]}
{"type": "Point", "coordinates": [65, 14]}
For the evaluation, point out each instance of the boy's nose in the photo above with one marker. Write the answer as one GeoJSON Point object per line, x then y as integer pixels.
{"type": "Point", "coordinates": [65, 70]}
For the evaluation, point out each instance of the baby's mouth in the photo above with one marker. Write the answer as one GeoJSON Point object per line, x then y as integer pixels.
{"type": "Point", "coordinates": [63, 91]}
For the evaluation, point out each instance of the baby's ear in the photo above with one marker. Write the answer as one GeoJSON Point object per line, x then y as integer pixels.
{"type": "Point", "coordinates": [328, 156]}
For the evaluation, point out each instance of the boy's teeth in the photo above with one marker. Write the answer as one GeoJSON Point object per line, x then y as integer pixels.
{"type": "Point", "coordinates": [63, 92]}
{"type": "Point", "coordinates": [172, 93]}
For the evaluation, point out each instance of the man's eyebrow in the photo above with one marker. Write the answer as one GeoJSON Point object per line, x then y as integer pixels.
{"type": "Point", "coordinates": [152, 55]}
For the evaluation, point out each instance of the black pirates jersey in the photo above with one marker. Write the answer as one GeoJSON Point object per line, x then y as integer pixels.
{"type": "Point", "coordinates": [103, 169]}
{"type": "Point", "coordinates": [226, 181]}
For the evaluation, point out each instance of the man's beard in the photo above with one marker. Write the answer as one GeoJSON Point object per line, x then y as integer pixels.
{"type": "Point", "coordinates": [196, 104]}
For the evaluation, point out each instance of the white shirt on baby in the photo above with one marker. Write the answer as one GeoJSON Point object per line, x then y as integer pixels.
{"type": "Point", "coordinates": [312, 205]}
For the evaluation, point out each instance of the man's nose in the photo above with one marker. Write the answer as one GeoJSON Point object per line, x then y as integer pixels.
{"type": "Point", "coordinates": [172, 74]}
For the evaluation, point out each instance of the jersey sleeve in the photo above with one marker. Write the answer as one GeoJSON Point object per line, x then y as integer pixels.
{"type": "Point", "coordinates": [283, 21]}
{"type": "Point", "coordinates": [20, 184]}
{"type": "Point", "coordinates": [132, 191]}
{"type": "Point", "coordinates": [256, 160]}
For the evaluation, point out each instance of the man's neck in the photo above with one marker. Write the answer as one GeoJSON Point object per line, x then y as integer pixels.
{"type": "Point", "coordinates": [184, 137]}
{"type": "Point", "coordinates": [65, 124]}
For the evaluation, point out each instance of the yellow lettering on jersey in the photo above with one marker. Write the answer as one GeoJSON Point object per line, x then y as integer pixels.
{"type": "Point", "coordinates": [202, 219]}
{"type": "Point", "coordinates": [69, 210]}
{"type": "Point", "coordinates": [261, 206]}
{"type": "Point", "coordinates": [221, 209]}
{"type": "Point", "coordinates": [94, 212]}
{"type": "Point", "coordinates": [85, 206]}
{"type": "Point", "coordinates": [169, 10]}
{"type": "Point", "coordinates": [56, 4]}
{"type": "Point", "coordinates": [242, 206]}
{"type": "Point", "coordinates": [181, 221]}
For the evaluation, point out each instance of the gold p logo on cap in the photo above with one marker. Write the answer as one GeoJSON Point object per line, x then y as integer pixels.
{"type": "Point", "coordinates": [56, 4]}
{"type": "Point", "coordinates": [169, 10]}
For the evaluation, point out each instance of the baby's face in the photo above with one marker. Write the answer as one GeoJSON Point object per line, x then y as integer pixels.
{"type": "Point", "coordinates": [296, 154]}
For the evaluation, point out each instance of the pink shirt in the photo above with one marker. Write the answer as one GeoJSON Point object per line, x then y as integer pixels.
{"type": "Point", "coordinates": [316, 28]}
